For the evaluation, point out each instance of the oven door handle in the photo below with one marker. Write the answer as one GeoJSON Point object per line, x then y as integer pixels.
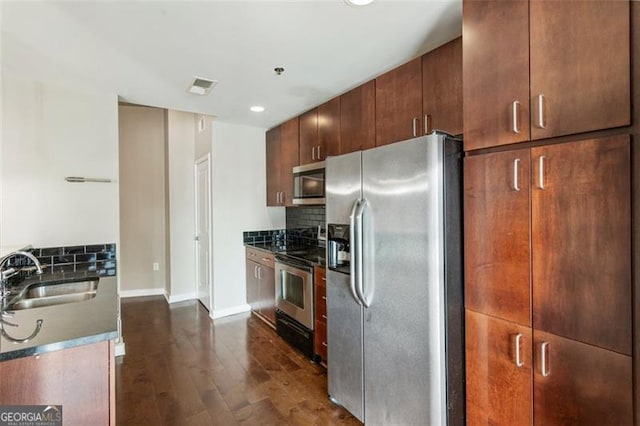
{"type": "Point", "coordinates": [354, 251]}
{"type": "Point", "coordinates": [359, 228]}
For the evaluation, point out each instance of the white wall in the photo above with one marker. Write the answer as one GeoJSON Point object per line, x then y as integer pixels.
{"type": "Point", "coordinates": [180, 154]}
{"type": "Point", "coordinates": [238, 204]}
{"type": "Point", "coordinates": [48, 133]}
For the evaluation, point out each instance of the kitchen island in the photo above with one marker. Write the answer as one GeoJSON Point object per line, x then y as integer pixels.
{"type": "Point", "coordinates": [61, 353]}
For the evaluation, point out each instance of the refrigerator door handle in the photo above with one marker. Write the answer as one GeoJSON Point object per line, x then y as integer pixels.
{"type": "Point", "coordinates": [359, 247]}
{"type": "Point", "coordinates": [352, 264]}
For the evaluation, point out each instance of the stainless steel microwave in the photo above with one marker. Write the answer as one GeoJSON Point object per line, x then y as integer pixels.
{"type": "Point", "coordinates": [308, 184]}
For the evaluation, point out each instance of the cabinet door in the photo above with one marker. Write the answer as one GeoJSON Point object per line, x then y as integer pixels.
{"type": "Point", "coordinates": [267, 293]}
{"type": "Point", "coordinates": [309, 136]}
{"type": "Point", "coordinates": [358, 118]}
{"type": "Point", "coordinates": [273, 166]}
{"type": "Point", "coordinates": [399, 103]}
{"type": "Point", "coordinates": [580, 72]}
{"type": "Point", "coordinates": [495, 72]}
{"type": "Point", "coordinates": [581, 227]}
{"type": "Point", "coordinates": [328, 129]}
{"type": "Point", "coordinates": [442, 88]}
{"type": "Point", "coordinates": [496, 235]}
{"type": "Point", "coordinates": [288, 158]}
{"type": "Point", "coordinates": [498, 379]}
{"type": "Point", "coordinates": [253, 295]}
{"type": "Point", "coordinates": [581, 384]}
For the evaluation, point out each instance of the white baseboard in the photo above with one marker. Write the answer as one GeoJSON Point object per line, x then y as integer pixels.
{"type": "Point", "coordinates": [175, 298]}
{"type": "Point", "coordinates": [142, 292]}
{"type": "Point", "coordinates": [219, 313]}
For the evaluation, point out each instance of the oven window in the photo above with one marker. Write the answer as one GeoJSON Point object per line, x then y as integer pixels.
{"type": "Point", "coordinates": [292, 289]}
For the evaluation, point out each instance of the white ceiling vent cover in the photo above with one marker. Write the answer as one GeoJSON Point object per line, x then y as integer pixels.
{"type": "Point", "coordinates": [201, 86]}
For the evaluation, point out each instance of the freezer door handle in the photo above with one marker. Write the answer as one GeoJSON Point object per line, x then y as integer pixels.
{"type": "Point", "coordinates": [359, 250]}
{"type": "Point", "coordinates": [352, 264]}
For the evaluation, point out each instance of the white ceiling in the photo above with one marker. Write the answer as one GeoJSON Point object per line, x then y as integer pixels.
{"type": "Point", "coordinates": [147, 52]}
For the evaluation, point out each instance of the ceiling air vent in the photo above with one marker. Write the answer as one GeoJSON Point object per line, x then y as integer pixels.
{"type": "Point", "coordinates": [201, 86]}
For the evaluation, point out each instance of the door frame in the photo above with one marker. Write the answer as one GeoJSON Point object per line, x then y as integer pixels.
{"type": "Point", "coordinates": [205, 158]}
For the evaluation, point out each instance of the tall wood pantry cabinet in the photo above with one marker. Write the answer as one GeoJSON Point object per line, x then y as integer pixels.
{"type": "Point", "coordinates": [541, 69]}
{"type": "Point", "coordinates": [548, 284]}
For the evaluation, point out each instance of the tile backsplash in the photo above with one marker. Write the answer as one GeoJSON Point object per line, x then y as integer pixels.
{"type": "Point", "coordinates": [301, 230]}
{"type": "Point", "coordinates": [305, 217]}
{"type": "Point", "coordinates": [99, 258]}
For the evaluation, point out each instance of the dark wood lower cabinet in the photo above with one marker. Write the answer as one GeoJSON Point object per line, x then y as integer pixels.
{"type": "Point", "coordinates": [81, 379]}
{"type": "Point", "coordinates": [498, 381]}
{"type": "Point", "coordinates": [581, 384]}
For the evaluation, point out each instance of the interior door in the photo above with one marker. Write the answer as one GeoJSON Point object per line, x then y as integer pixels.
{"type": "Point", "coordinates": [203, 231]}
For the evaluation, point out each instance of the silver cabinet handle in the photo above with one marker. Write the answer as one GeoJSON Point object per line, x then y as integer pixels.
{"type": "Point", "coordinates": [519, 362]}
{"type": "Point", "coordinates": [515, 113]}
{"type": "Point", "coordinates": [319, 153]}
{"type": "Point", "coordinates": [324, 316]}
{"type": "Point", "coordinates": [313, 152]}
{"type": "Point", "coordinates": [427, 120]}
{"type": "Point", "coordinates": [324, 344]}
{"type": "Point", "coordinates": [324, 279]}
{"type": "Point", "coordinates": [545, 369]}
{"type": "Point", "coordinates": [415, 126]}
{"type": "Point", "coordinates": [324, 297]}
{"type": "Point", "coordinates": [354, 251]}
{"type": "Point", "coordinates": [541, 172]}
{"type": "Point", "coordinates": [516, 165]}
{"type": "Point", "coordinates": [541, 111]}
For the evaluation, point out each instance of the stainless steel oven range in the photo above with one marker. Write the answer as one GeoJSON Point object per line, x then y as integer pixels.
{"type": "Point", "coordinates": [294, 302]}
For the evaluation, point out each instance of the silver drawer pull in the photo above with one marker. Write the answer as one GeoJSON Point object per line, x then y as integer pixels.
{"type": "Point", "coordinates": [516, 165]}
{"type": "Point", "coordinates": [324, 297]}
{"type": "Point", "coordinates": [324, 344]}
{"type": "Point", "coordinates": [544, 359]}
{"type": "Point", "coordinates": [324, 279]}
{"type": "Point", "coordinates": [515, 109]}
{"type": "Point", "coordinates": [541, 111]}
{"type": "Point", "coordinates": [324, 316]}
{"type": "Point", "coordinates": [541, 172]}
{"type": "Point", "coordinates": [519, 362]}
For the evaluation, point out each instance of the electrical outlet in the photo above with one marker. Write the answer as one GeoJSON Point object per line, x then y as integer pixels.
{"type": "Point", "coordinates": [156, 266]}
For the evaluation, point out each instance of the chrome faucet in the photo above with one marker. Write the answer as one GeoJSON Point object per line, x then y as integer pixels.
{"type": "Point", "coordinates": [5, 274]}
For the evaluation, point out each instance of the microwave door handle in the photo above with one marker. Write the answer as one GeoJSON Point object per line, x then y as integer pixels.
{"type": "Point", "coordinates": [352, 264]}
{"type": "Point", "coordinates": [359, 250]}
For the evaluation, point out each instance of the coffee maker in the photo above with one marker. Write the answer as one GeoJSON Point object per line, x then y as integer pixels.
{"type": "Point", "coordinates": [338, 251]}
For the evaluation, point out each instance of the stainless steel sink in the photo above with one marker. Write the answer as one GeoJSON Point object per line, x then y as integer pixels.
{"type": "Point", "coordinates": [55, 293]}
{"type": "Point", "coordinates": [46, 289]}
{"type": "Point", "coordinates": [50, 301]}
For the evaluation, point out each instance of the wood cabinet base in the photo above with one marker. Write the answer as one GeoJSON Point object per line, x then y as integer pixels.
{"type": "Point", "coordinates": [81, 379]}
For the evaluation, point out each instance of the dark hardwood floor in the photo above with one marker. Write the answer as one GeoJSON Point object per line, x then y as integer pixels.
{"type": "Point", "coordinates": [182, 368]}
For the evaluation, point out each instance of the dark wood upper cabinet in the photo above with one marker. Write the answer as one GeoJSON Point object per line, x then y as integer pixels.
{"type": "Point", "coordinates": [498, 371]}
{"type": "Point", "coordinates": [580, 66]}
{"type": "Point", "coordinates": [358, 118]}
{"type": "Point", "coordinates": [541, 69]}
{"type": "Point", "coordinates": [581, 384]}
{"type": "Point", "coordinates": [399, 103]}
{"type": "Point", "coordinates": [328, 129]}
{"type": "Point", "coordinates": [442, 88]}
{"type": "Point", "coordinates": [308, 136]}
{"type": "Point", "coordinates": [289, 148]}
{"type": "Point", "coordinates": [495, 72]}
{"type": "Point", "coordinates": [496, 223]}
{"type": "Point", "coordinates": [273, 166]}
{"type": "Point", "coordinates": [581, 231]}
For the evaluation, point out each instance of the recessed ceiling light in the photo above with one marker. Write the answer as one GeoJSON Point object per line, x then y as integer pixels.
{"type": "Point", "coordinates": [358, 2]}
{"type": "Point", "coordinates": [257, 108]}
{"type": "Point", "coordinates": [201, 86]}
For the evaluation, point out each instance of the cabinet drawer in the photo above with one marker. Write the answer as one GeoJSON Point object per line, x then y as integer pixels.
{"type": "Point", "coordinates": [321, 340]}
{"type": "Point", "coordinates": [261, 257]}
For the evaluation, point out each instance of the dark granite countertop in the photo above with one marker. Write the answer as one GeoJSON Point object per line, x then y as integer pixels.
{"type": "Point", "coordinates": [313, 254]}
{"type": "Point", "coordinates": [65, 325]}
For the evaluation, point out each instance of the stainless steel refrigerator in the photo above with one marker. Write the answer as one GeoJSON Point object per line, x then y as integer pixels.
{"type": "Point", "coordinates": [395, 306]}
